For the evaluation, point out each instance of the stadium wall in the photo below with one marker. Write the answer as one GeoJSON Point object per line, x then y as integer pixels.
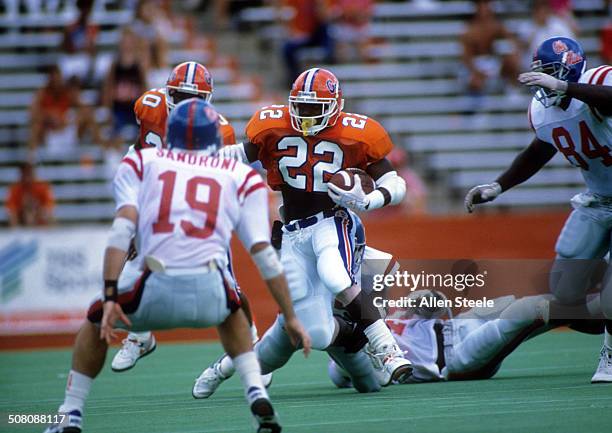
{"type": "Point", "coordinates": [48, 277]}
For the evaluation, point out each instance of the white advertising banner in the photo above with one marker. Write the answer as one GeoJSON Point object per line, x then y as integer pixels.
{"type": "Point", "coordinates": [49, 277]}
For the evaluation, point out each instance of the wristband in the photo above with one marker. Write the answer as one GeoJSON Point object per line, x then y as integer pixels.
{"type": "Point", "coordinates": [111, 292]}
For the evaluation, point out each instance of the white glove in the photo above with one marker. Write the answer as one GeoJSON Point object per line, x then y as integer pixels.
{"type": "Point", "coordinates": [234, 151]}
{"type": "Point", "coordinates": [481, 194]}
{"type": "Point", "coordinates": [540, 79]}
{"type": "Point", "coordinates": [355, 198]}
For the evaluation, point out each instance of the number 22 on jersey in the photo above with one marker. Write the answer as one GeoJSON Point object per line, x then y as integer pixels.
{"type": "Point", "coordinates": [311, 166]}
{"type": "Point", "coordinates": [165, 222]}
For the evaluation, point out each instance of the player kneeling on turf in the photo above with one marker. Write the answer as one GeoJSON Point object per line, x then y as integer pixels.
{"type": "Point", "coordinates": [186, 204]}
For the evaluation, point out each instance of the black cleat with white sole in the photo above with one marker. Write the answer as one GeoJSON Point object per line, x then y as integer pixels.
{"type": "Point", "coordinates": [265, 416]}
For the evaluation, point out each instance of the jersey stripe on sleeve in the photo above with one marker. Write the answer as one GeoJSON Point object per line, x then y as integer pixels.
{"type": "Point", "coordinates": [246, 180]}
{"type": "Point", "coordinates": [132, 164]}
{"type": "Point", "coordinates": [597, 71]}
{"type": "Point", "coordinates": [602, 76]}
{"type": "Point", "coordinates": [253, 188]}
{"type": "Point", "coordinates": [251, 183]}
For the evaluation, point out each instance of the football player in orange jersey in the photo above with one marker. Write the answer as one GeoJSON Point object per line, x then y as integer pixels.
{"type": "Point", "coordinates": [187, 80]}
{"type": "Point", "coordinates": [301, 146]}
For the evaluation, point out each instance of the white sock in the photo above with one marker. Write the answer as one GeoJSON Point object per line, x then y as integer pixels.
{"type": "Point", "coordinates": [249, 371]}
{"type": "Point", "coordinates": [140, 336]}
{"type": "Point", "coordinates": [226, 366]}
{"type": "Point", "coordinates": [379, 335]}
{"type": "Point", "coordinates": [254, 334]}
{"type": "Point", "coordinates": [607, 339]}
{"type": "Point", "coordinates": [77, 390]}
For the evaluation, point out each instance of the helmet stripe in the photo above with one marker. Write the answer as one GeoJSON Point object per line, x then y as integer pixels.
{"type": "Point", "coordinates": [310, 79]}
{"type": "Point", "coordinates": [313, 78]}
{"type": "Point", "coordinates": [191, 69]}
{"type": "Point", "coordinates": [190, 117]}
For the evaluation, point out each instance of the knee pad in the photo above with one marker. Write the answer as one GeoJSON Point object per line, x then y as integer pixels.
{"type": "Point", "coordinates": [320, 335]}
{"type": "Point", "coordinates": [581, 238]}
{"type": "Point", "coordinates": [332, 271]}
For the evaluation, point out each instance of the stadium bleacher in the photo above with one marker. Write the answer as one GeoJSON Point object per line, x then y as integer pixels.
{"type": "Point", "coordinates": [411, 87]}
{"type": "Point", "coordinates": [414, 91]}
{"type": "Point", "coordinates": [30, 44]}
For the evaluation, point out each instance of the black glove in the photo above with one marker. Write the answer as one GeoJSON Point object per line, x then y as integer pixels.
{"type": "Point", "coordinates": [277, 234]}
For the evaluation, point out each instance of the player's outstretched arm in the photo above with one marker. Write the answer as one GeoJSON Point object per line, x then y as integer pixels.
{"type": "Point", "coordinates": [595, 95]}
{"type": "Point", "coordinates": [245, 152]}
{"type": "Point", "coordinates": [118, 245]}
{"type": "Point", "coordinates": [526, 164]}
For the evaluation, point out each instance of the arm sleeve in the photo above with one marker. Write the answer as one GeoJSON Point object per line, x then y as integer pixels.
{"type": "Point", "coordinates": [126, 184]}
{"type": "Point", "coordinates": [254, 225]}
{"type": "Point", "coordinates": [594, 89]}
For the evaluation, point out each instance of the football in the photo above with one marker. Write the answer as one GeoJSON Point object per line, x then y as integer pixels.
{"type": "Point", "coordinates": [345, 179]}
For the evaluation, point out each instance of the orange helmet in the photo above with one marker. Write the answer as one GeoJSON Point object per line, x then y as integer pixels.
{"type": "Point", "coordinates": [315, 101]}
{"type": "Point", "coordinates": [191, 78]}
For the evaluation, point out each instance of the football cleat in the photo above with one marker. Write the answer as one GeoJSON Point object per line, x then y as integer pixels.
{"type": "Point", "coordinates": [132, 350]}
{"type": "Point", "coordinates": [207, 383]}
{"type": "Point", "coordinates": [604, 369]}
{"type": "Point", "coordinates": [265, 416]}
{"type": "Point", "coordinates": [389, 364]}
{"type": "Point", "coordinates": [72, 423]}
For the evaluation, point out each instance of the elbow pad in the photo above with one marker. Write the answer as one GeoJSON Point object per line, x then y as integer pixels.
{"type": "Point", "coordinates": [121, 233]}
{"type": "Point", "coordinates": [268, 263]}
{"type": "Point", "coordinates": [390, 189]}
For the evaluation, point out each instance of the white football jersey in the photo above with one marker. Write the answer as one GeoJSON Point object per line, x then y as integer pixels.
{"type": "Point", "coordinates": [417, 338]}
{"type": "Point", "coordinates": [189, 203]}
{"type": "Point", "coordinates": [580, 133]}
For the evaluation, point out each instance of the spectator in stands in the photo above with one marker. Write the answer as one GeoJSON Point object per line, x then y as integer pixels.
{"type": "Point", "coordinates": [29, 201]}
{"type": "Point", "coordinates": [564, 10]}
{"type": "Point", "coordinates": [79, 45]}
{"type": "Point", "coordinates": [351, 28]}
{"type": "Point", "coordinates": [307, 23]}
{"type": "Point", "coordinates": [151, 24]}
{"type": "Point", "coordinates": [489, 50]}
{"type": "Point", "coordinates": [544, 24]}
{"type": "Point", "coordinates": [57, 117]}
{"type": "Point", "coordinates": [124, 84]}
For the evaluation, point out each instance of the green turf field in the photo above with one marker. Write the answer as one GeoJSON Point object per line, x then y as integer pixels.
{"type": "Point", "coordinates": [543, 387]}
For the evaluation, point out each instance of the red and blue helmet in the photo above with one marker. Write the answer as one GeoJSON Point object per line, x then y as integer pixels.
{"type": "Point", "coordinates": [194, 125]}
{"type": "Point", "coordinates": [562, 58]}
